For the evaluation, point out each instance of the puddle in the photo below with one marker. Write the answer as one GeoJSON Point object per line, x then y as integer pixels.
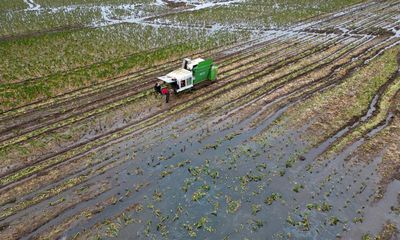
{"type": "Point", "coordinates": [32, 6]}
{"type": "Point", "coordinates": [379, 212]}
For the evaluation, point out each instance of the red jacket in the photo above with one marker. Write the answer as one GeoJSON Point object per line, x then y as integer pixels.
{"type": "Point", "coordinates": [164, 91]}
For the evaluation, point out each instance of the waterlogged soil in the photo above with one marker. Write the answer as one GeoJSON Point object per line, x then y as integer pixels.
{"type": "Point", "coordinates": [227, 160]}
{"type": "Point", "coordinates": [241, 188]}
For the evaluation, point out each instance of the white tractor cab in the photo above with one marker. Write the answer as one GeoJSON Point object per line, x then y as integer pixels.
{"type": "Point", "coordinates": [192, 72]}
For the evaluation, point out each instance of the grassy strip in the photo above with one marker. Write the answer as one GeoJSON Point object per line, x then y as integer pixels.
{"type": "Point", "coordinates": [15, 95]}
{"type": "Point", "coordinates": [363, 129]}
{"type": "Point", "coordinates": [260, 13]}
{"type": "Point", "coordinates": [25, 225]}
{"type": "Point", "coordinates": [353, 96]}
{"type": "Point", "coordinates": [77, 118]}
{"type": "Point", "coordinates": [42, 196]}
{"type": "Point", "coordinates": [385, 141]}
{"type": "Point", "coordinates": [292, 72]}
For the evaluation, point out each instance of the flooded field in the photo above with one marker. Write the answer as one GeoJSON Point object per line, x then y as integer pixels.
{"type": "Point", "coordinates": [298, 138]}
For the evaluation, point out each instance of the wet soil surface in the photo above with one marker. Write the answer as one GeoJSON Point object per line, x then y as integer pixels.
{"type": "Point", "coordinates": [214, 163]}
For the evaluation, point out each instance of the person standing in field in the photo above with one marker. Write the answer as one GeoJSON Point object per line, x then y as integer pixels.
{"type": "Point", "coordinates": [157, 87]}
{"type": "Point", "coordinates": [165, 92]}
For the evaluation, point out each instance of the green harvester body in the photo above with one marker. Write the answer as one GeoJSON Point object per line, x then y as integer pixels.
{"type": "Point", "coordinates": [205, 70]}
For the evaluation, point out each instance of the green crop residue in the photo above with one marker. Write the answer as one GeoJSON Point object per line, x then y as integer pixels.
{"type": "Point", "coordinates": [232, 205]}
{"type": "Point", "coordinates": [272, 198]}
{"type": "Point", "coordinates": [255, 208]}
{"type": "Point", "coordinates": [201, 224]}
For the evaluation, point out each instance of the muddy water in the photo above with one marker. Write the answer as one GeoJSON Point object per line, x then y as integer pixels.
{"type": "Point", "coordinates": [379, 212]}
{"type": "Point", "coordinates": [213, 181]}
{"type": "Point", "coordinates": [316, 200]}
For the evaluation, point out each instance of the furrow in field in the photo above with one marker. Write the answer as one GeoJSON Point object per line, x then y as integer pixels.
{"type": "Point", "coordinates": [371, 120]}
{"type": "Point", "coordinates": [304, 78]}
{"type": "Point", "coordinates": [356, 65]}
{"type": "Point", "coordinates": [265, 96]}
{"type": "Point", "coordinates": [336, 77]}
{"type": "Point", "coordinates": [54, 190]}
{"type": "Point", "coordinates": [320, 85]}
{"type": "Point", "coordinates": [35, 220]}
{"type": "Point", "coordinates": [56, 231]}
{"type": "Point", "coordinates": [360, 18]}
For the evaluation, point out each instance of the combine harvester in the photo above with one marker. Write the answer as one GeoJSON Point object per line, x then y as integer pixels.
{"type": "Point", "coordinates": [192, 73]}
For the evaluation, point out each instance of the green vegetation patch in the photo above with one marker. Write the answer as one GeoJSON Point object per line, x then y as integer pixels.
{"type": "Point", "coordinates": [257, 13]}
{"type": "Point", "coordinates": [336, 107]}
